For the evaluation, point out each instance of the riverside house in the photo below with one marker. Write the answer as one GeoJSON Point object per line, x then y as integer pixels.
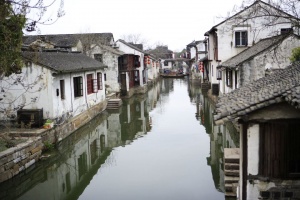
{"type": "Point", "coordinates": [268, 115]}
{"type": "Point", "coordinates": [52, 85]}
{"type": "Point", "coordinates": [132, 70]}
{"type": "Point", "coordinates": [238, 32]}
{"type": "Point", "coordinates": [99, 46]}
{"type": "Point", "coordinates": [267, 55]}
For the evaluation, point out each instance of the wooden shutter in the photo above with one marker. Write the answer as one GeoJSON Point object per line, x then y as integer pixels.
{"type": "Point", "coordinates": [279, 149]}
{"type": "Point", "coordinates": [99, 81]}
{"type": "Point", "coordinates": [89, 83]}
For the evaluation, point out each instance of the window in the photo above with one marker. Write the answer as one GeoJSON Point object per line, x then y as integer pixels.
{"type": "Point", "coordinates": [98, 57]}
{"type": "Point", "coordinates": [219, 74]}
{"type": "Point", "coordinates": [89, 83]}
{"type": "Point", "coordinates": [82, 164]}
{"type": "Point", "coordinates": [99, 81]}
{"type": "Point", "coordinates": [62, 89]}
{"type": "Point", "coordinates": [229, 77]}
{"type": "Point", "coordinates": [286, 30]}
{"type": "Point", "coordinates": [165, 63]}
{"type": "Point", "coordinates": [104, 77]}
{"type": "Point", "coordinates": [137, 61]}
{"type": "Point", "coordinates": [78, 86]}
{"type": "Point", "coordinates": [279, 149]}
{"type": "Point", "coordinates": [241, 38]}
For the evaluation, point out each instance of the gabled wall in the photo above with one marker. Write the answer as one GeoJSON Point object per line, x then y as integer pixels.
{"type": "Point", "coordinates": [222, 40]}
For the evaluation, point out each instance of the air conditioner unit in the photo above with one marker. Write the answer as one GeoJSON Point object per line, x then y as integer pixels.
{"type": "Point", "coordinates": [30, 117]}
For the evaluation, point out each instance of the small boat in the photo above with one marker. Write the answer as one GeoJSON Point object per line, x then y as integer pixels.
{"type": "Point", "coordinates": [171, 75]}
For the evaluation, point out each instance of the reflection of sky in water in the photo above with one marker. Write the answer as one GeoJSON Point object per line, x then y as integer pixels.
{"type": "Point", "coordinates": [168, 163]}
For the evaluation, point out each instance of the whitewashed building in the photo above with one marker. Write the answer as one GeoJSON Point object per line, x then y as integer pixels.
{"type": "Point", "coordinates": [95, 45]}
{"type": "Point", "coordinates": [109, 57]}
{"type": "Point", "coordinates": [132, 70]}
{"type": "Point", "coordinates": [240, 31]}
{"type": "Point", "coordinates": [57, 85]}
{"type": "Point", "coordinates": [262, 58]}
{"type": "Point", "coordinates": [267, 111]}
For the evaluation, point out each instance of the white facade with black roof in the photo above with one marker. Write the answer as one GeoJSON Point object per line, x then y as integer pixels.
{"type": "Point", "coordinates": [63, 84]}
{"type": "Point", "coordinates": [240, 31]}
{"type": "Point", "coordinates": [257, 61]}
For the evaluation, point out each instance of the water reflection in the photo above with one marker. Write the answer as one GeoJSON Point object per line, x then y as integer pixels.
{"type": "Point", "coordinates": [221, 136]}
{"type": "Point", "coordinates": [162, 145]}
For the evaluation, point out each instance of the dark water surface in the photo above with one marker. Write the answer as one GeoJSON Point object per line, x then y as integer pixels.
{"type": "Point", "coordinates": [153, 148]}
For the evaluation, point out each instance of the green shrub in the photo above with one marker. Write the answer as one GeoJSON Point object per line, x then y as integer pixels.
{"type": "Point", "coordinates": [295, 54]}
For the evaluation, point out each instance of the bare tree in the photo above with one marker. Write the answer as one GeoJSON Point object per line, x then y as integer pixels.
{"type": "Point", "coordinates": [16, 16]}
{"type": "Point", "coordinates": [134, 38]}
{"type": "Point", "coordinates": [281, 12]}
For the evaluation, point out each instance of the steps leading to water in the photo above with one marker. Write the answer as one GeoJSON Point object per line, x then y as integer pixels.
{"type": "Point", "coordinates": [231, 171]}
{"type": "Point", "coordinates": [114, 103]}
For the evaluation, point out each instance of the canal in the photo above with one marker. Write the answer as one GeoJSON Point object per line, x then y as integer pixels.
{"type": "Point", "coordinates": [161, 145]}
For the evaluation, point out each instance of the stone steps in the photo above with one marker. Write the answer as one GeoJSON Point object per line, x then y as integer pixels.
{"type": "Point", "coordinates": [231, 179]}
{"type": "Point", "coordinates": [234, 173]}
{"type": "Point", "coordinates": [231, 171]}
{"type": "Point", "coordinates": [114, 103]}
{"type": "Point", "coordinates": [232, 166]}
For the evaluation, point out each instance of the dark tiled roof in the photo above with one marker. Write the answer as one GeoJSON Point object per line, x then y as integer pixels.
{"type": "Point", "coordinates": [131, 45]}
{"type": "Point", "coordinates": [282, 85]}
{"type": "Point", "coordinates": [192, 44]}
{"type": "Point", "coordinates": [70, 40]}
{"type": "Point", "coordinates": [249, 53]}
{"type": "Point", "coordinates": [63, 61]}
{"type": "Point", "coordinates": [63, 40]}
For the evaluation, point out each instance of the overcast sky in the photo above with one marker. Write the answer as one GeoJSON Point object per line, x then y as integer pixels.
{"type": "Point", "coordinates": [175, 23]}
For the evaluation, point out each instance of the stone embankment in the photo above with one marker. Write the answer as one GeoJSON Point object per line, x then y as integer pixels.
{"type": "Point", "coordinates": [19, 158]}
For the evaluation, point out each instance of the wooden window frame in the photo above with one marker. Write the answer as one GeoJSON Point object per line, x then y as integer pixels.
{"type": "Point", "coordinates": [89, 83]}
{"type": "Point", "coordinates": [62, 89]}
{"type": "Point", "coordinates": [228, 77]}
{"type": "Point", "coordinates": [279, 151]}
{"type": "Point", "coordinates": [241, 38]}
{"type": "Point", "coordinates": [78, 86]}
{"type": "Point", "coordinates": [99, 81]}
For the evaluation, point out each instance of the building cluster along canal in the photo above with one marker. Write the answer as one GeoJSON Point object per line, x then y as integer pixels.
{"type": "Point", "coordinates": [91, 116]}
{"type": "Point", "coordinates": [159, 145]}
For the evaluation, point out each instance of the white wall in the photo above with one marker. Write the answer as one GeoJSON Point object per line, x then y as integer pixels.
{"type": "Point", "coordinates": [226, 38]}
{"type": "Point", "coordinates": [110, 59]}
{"type": "Point", "coordinates": [31, 89]}
{"type": "Point", "coordinates": [37, 88]}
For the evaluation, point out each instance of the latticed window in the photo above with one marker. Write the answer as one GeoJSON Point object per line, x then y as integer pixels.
{"type": "Point", "coordinates": [89, 83]}
{"type": "Point", "coordinates": [99, 81]}
{"type": "Point", "coordinates": [78, 86]}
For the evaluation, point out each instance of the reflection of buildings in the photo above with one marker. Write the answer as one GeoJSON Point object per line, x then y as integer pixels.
{"type": "Point", "coordinates": [67, 173]}
{"type": "Point", "coordinates": [224, 136]}
{"type": "Point", "coordinates": [167, 85]}
{"type": "Point", "coordinates": [134, 119]}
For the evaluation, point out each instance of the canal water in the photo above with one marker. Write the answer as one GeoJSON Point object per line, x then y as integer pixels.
{"type": "Point", "coordinates": [161, 145]}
